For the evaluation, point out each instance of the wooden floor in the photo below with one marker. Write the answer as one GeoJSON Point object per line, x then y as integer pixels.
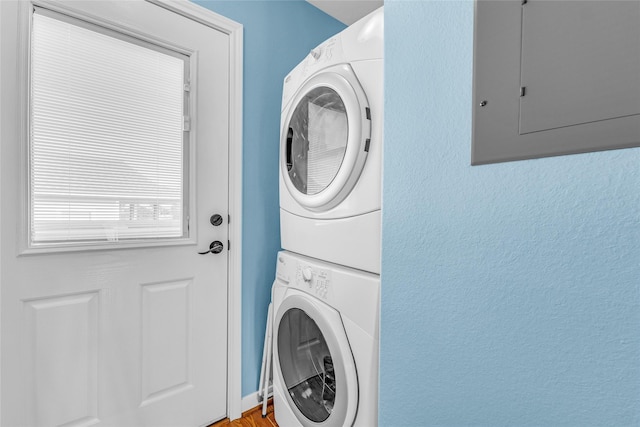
{"type": "Point", "coordinates": [251, 418]}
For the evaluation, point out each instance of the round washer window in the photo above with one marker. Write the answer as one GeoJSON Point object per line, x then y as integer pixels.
{"type": "Point", "coordinates": [316, 140]}
{"type": "Point", "coordinates": [307, 365]}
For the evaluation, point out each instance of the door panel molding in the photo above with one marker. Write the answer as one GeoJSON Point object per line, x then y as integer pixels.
{"type": "Point", "coordinates": [166, 339]}
{"type": "Point", "coordinates": [70, 364]}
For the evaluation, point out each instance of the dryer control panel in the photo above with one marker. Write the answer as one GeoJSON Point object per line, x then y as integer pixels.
{"type": "Point", "coordinates": [313, 280]}
{"type": "Point", "coordinates": [327, 54]}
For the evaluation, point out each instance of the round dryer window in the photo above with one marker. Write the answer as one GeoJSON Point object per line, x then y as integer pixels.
{"type": "Point", "coordinates": [315, 363]}
{"type": "Point", "coordinates": [317, 140]}
{"type": "Point", "coordinates": [325, 138]}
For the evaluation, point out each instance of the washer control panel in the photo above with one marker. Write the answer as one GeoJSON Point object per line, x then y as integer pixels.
{"type": "Point", "coordinates": [313, 280]}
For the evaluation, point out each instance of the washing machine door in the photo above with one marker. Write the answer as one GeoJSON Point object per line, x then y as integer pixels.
{"type": "Point", "coordinates": [315, 363]}
{"type": "Point", "coordinates": [325, 138]}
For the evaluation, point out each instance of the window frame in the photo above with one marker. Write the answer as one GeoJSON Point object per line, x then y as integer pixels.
{"type": "Point", "coordinates": [116, 30]}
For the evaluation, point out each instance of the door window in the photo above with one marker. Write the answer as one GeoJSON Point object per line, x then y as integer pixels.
{"type": "Point", "coordinates": [307, 365]}
{"type": "Point", "coordinates": [316, 140]}
{"type": "Point", "coordinates": [107, 142]}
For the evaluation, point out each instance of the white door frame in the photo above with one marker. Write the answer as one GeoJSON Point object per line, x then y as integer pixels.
{"type": "Point", "coordinates": [235, 32]}
{"type": "Point", "coordinates": [1, 67]}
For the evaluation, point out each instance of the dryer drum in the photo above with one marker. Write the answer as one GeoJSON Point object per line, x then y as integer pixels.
{"type": "Point", "coordinates": [316, 140]}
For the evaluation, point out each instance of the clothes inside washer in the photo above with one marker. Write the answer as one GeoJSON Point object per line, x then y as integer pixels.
{"type": "Point", "coordinates": [307, 365]}
{"type": "Point", "coordinates": [329, 390]}
{"type": "Point", "coordinates": [315, 396]}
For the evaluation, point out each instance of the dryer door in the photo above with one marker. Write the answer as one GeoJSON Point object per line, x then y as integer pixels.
{"type": "Point", "coordinates": [325, 138]}
{"type": "Point", "coordinates": [315, 362]}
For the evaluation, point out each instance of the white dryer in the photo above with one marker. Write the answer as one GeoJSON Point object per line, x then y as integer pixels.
{"type": "Point", "coordinates": [325, 344]}
{"type": "Point", "coordinates": [331, 149]}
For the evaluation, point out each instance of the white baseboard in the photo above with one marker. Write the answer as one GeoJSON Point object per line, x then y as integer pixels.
{"type": "Point", "coordinates": [249, 402]}
{"type": "Point", "coordinates": [252, 400]}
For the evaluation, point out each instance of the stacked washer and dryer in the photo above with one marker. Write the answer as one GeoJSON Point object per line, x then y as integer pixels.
{"type": "Point", "coordinates": [326, 295]}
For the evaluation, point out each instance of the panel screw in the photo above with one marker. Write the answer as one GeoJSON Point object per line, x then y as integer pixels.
{"type": "Point", "coordinates": [483, 103]}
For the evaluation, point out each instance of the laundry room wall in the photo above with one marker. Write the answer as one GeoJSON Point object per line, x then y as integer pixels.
{"type": "Point", "coordinates": [510, 292]}
{"type": "Point", "coordinates": [278, 34]}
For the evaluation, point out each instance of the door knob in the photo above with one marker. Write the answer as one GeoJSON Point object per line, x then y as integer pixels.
{"type": "Point", "coordinates": [215, 220]}
{"type": "Point", "coordinates": [215, 248]}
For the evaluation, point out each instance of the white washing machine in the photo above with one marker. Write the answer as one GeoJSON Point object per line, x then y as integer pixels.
{"type": "Point", "coordinates": [325, 344]}
{"type": "Point", "coordinates": [331, 149]}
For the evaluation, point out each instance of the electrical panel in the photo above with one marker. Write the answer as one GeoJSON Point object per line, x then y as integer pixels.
{"type": "Point", "coordinates": [555, 77]}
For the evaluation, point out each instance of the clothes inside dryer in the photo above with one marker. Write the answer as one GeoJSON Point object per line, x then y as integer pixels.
{"type": "Point", "coordinates": [307, 365]}
{"type": "Point", "coordinates": [316, 140]}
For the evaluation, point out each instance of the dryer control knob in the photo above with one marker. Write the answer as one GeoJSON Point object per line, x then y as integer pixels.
{"type": "Point", "coordinates": [316, 53]}
{"type": "Point", "coordinates": [307, 274]}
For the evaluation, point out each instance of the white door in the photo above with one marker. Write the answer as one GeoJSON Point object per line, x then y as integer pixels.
{"type": "Point", "coordinates": [129, 332]}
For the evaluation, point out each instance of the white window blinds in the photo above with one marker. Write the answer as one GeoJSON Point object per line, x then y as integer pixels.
{"type": "Point", "coordinates": [107, 147]}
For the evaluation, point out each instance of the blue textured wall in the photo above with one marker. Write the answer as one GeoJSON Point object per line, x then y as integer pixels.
{"type": "Point", "coordinates": [510, 292]}
{"type": "Point", "coordinates": [277, 36]}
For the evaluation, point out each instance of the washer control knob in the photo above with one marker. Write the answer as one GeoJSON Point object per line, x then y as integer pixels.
{"type": "Point", "coordinates": [307, 274]}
